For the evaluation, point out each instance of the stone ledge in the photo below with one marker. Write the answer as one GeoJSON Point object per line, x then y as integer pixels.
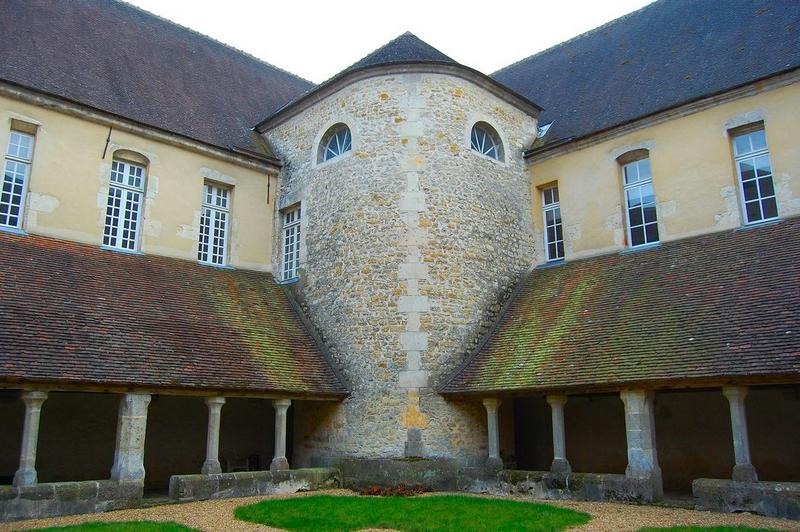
{"type": "Point", "coordinates": [436, 474]}
{"type": "Point", "coordinates": [773, 499]}
{"type": "Point", "coordinates": [66, 498]}
{"type": "Point", "coordinates": [577, 486]}
{"type": "Point", "coordinates": [249, 483]}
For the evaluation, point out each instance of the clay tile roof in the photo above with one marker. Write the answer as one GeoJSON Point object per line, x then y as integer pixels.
{"type": "Point", "coordinates": [114, 57]}
{"type": "Point", "coordinates": [669, 53]}
{"type": "Point", "coordinates": [711, 308]}
{"type": "Point", "coordinates": [77, 314]}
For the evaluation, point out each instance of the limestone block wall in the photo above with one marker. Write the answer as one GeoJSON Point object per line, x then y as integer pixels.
{"type": "Point", "coordinates": [409, 241]}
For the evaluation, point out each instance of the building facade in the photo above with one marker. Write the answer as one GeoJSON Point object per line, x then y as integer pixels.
{"type": "Point", "coordinates": [578, 271]}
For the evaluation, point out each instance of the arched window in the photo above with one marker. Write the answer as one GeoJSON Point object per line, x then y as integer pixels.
{"type": "Point", "coordinates": [486, 141]}
{"type": "Point", "coordinates": [336, 141]}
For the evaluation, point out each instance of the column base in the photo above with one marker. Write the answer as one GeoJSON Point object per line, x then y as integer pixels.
{"type": "Point", "coordinates": [25, 477]}
{"type": "Point", "coordinates": [560, 465]}
{"type": "Point", "coordinates": [211, 467]}
{"type": "Point", "coordinates": [494, 463]}
{"type": "Point", "coordinates": [279, 463]}
{"type": "Point", "coordinates": [744, 473]}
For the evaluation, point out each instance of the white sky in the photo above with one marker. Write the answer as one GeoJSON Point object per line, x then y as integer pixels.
{"type": "Point", "coordinates": [316, 39]}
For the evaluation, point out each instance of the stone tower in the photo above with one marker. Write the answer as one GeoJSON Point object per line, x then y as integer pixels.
{"type": "Point", "coordinates": [408, 239]}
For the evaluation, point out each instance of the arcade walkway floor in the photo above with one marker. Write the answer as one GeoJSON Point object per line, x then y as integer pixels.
{"type": "Point", "coordinates": [213, 516]}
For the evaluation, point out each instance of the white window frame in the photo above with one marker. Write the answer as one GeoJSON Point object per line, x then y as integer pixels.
{"type": "Point", "coordinates": [16, 159]}
{"type": "Point", "coordinates": [485, 140]}
{"type": "Point", "coordinates": [290, 242]}
{"type": "Point", "coordinates": [752, 155]}
{"type": "Point", "coordinates": [552, 204]}
{"type": "Point", "coordinates": [128, 179]}
{"type": "Point", "coordinates": [337, 141]}
{"type": "Point", "coordinates": [212, 243]}
{"type": "Point", "coordinates": [636, 186]}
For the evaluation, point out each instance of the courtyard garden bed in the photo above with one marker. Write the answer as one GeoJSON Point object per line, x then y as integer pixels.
{"type": "Point", "coordinates": [434, 513]}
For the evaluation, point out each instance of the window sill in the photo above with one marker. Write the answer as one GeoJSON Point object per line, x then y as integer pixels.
{"type": "Point", "coordinates": [760, 223]}
{"type": "Point", "coordinates": [13, 230]}
{"type": "Point", "coordinates": [642, 247]}
{"type": "Point", "coordinates": [551, 264]}
{"type": "Point", "coordinates": [293, 280]}
{"type": "Point", "coordinates": [121, 250]}
{"type": "Point", "coordinates": [217, 266]}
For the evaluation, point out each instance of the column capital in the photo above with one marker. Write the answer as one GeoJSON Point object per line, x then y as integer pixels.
{"type": "Point", "coordinates": [215, 400]}
{"type": "Point", "coordinates": [33, 395]}
{"type": "Point", "coordinates": [281, 403]}
{"type": "Point", "coordinates": [491, 403]}
{"type": "Point", "coordinates": [734, 392]}
{"type": "Point", "coordinates": [556, 400]}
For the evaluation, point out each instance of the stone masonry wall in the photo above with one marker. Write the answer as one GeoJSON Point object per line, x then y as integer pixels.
{"type": "Point", "coordinates": [409, 242]}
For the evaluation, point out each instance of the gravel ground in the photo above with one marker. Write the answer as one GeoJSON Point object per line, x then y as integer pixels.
{"type": "Point", "coordinates": [213, 516]}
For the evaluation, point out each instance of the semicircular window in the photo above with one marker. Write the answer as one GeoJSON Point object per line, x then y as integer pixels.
{"type": "Point", "coordinates": [336, 141]}
{"type": "Point", "coordinates": [486, 141]}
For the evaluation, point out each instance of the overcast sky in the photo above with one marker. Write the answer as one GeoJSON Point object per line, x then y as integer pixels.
{"type": "Point", "coordinates": [315, 39]}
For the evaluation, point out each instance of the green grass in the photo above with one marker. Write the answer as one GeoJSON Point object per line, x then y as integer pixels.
{"type": "Point", "coordinates": [122, 526]}
{"type": "Point", "coordinates": [434, 513]}
{"type": "Point", "coordinates": [707, 529]}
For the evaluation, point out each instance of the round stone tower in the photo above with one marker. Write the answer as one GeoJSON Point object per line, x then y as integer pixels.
{"type": "Point", "coordinates": [407, 241]}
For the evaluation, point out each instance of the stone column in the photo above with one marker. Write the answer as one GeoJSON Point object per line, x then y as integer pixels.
{"type": "Point", "coordinates": [211, 465]}
{"type": "Point", "coordinates": [26, 474]}
{"type": "Point", "coordinates": [492, 404]}
{"type": "Point", "coordinates": [560, 463]}
{"type": "Point", "coordinates": [131, 428]}
{"type": "Point", "coordinates": [743, 470]}
{"type": "Point", "coordinates": [640, 431]}
{"type": "Point", "coordinates": [280, 462]}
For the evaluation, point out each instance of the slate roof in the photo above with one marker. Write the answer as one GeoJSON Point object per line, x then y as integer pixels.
{"type": "Point", "coordinates": [403, 49]}
{"type": "Point", "coordinates": [710, 308]}
{"type": "Point", "coordinates": [666, 54]}
{"type": "Point", "coordinates": [77, 314]}
{"type": "Point", "coordinates": [119, 59]}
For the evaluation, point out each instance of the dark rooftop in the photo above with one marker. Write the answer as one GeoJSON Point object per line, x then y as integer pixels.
{"type": "Point", "coordinates": [404, 49]}
{"type": "Point", "coordinates": [703, 309]}
{"type": "Point", "coordinates": [76, 314]}
{"type": "Point", "coordinates": [117, 58]}
{"type": "Point", "coordinates": [666, 54]}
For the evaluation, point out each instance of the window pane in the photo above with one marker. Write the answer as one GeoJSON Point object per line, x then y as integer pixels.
{"type": "Point", "coordinates": [633, 198]}
{"type": "Point", "coordinates": [651, 231]}
{"type": "Point", "coordinates": [762, 166]}
{"type": "Point", "coordinates": [753, 211]}
{"type": "Point", "coordinates": [551, 234]}
{"type": "Point", "coordinates": [637, 236]}
{"type": "Point", "coordinates": [746, 169]}
{"type": "Point", "coordinates": [742, 144]}
{"type": "Point", "coordinates": [644, 169]}
{"type": "Point", "coordinates": [750, 190]}
{"type": "Point", "coordinates": [758, 139]}
{"type": "Point", "coordinates": [770, 207]}
{"type": "Point", "coordinates": [560, 249]}
{"type": "Point", "coordinates": [548, 216]}
{"type": "Point", "coordinates": [649, 214]}
{"type": "Point", "coordinates": [635, 216]}
{"type": "Point", "coordinates": [630, 173]}
{"type": "Point", "coordinates": [765, 186]}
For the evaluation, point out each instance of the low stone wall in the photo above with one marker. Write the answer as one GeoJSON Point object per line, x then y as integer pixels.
{"type": "Point", "coordinates": [773, 499]}
{"type": "Point", "coordinates": [435, 474]}
{"type": "Point", "coordinates": [66, 498]}
{"type": "Point", "coordinates": [577, 486]}
{"type": "Point", "coordinates": [249, 483]}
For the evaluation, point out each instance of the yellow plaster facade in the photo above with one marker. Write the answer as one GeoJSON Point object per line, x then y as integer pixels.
{"type": "Point", "coordinates": [69, 179]}
{"type": "Point", "coordinates": [694, 175]}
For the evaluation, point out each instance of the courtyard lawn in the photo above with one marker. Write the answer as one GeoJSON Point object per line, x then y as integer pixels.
{"type": "Point", "coordinates": [434, 513]}
{"type": "Point", "coordinates": [124, 526]}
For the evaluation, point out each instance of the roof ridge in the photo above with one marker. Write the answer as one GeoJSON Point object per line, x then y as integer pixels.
{"type": "Point", "coordinates": [230, 47]}
{"type": "Point", "coordinates": [562, 44]}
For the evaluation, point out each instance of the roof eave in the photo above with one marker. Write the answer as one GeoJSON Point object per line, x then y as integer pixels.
{"type": "Point", "coordinates": [436, 67]}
